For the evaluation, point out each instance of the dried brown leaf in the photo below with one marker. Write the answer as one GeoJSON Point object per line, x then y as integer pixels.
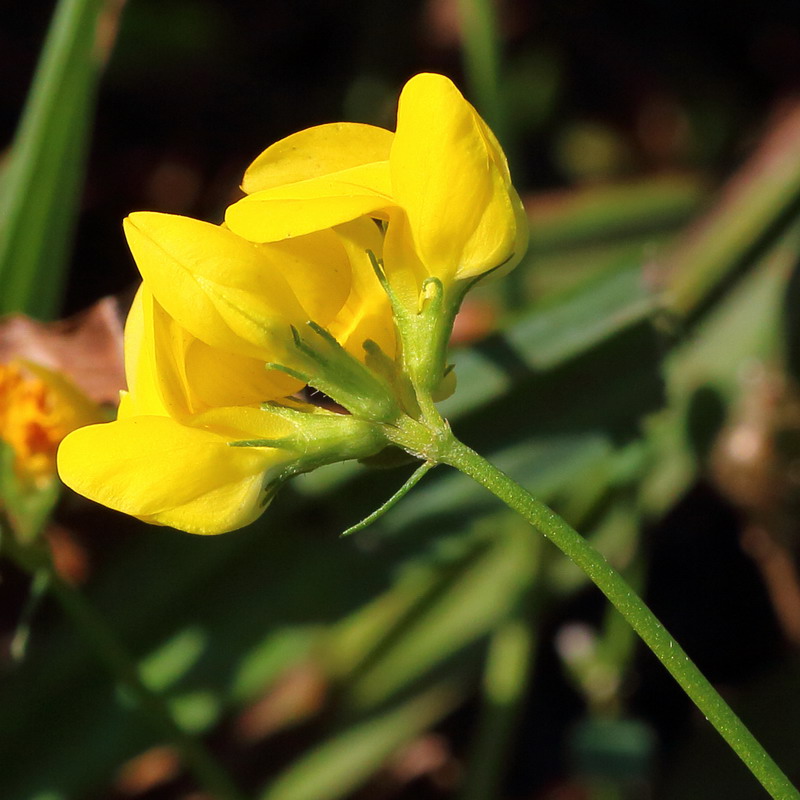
{"type": "Point", "coordinates": [87, 347]}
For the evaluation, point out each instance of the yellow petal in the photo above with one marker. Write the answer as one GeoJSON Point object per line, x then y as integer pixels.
{"type": "Point", "coordinates": [447, 177]}
{"type": "Point", "coordinates": [367, 314]}
{"type": "Point", "coordinates": [144, 394]}
{"type": "Point", "coordinates": [317, 270]}
{"type": "Point", "coordinates": [221, 510]}
{"type": "Point", "coordinates": [155, 377]}
{"type": "Point", "coordinates": [311, 205]}
{"type": "Point", "coordinates": [231, 293]}
{"type": "Point", "coordinates": [158, 469]}
{"type": "Point", "coordinates": [519, 249]}
{"type": "Point", "coordinates": [404, 269]}
{"type": "Point", "coordinates": [317, 151]}
{"type": "Point", "coordinates": [226, 379]}
{"type": "Point", "coordinates": [184, 376]}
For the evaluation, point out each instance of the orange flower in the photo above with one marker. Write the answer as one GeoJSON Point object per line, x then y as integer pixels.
{"type": "Point", "coordinates": [38, 408]}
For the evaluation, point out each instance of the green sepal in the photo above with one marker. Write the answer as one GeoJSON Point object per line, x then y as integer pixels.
{"type": "Point", "coordinates": [328, 367]}
{"type": "Point", "coordinates": [283, 443]}
{"type": "Point", "coordinates": [26, 505]}
{"type": "Point", "coordinates": [394, 376]}
{"type": "Point", "coordinates": [389, 458]}
{"type": "Point", "coordinates": [415, 478]}
{"type": "Point", "coordinates": [424, 331]}
{"type": "Point", "coordinates": [317, 438]}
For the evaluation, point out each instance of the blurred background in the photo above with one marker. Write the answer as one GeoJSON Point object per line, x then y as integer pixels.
{"type": "Point", "coordinates": [637, 371]}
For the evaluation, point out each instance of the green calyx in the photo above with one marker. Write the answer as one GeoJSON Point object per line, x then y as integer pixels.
{"type": "Point", "coordinates": [324, 364]}
{"type": "Point", "coordinates": [424, 331]}
{"type": "Point", "coordinates": [319, 438]}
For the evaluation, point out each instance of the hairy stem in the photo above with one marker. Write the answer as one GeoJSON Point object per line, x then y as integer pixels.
{"type": "Point", "coordinates": [632, 608]}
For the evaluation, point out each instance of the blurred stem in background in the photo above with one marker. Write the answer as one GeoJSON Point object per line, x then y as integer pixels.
{"type": "Point", "coordinates": [482, 64]}
{"type": "Point", "coordinates": [756, 208]}
{"type": "Point", "coordinates": [509, 665]}
{"type": "Point", "coordinates": [42, 184]}
{"type": "Point", "coordinates": [35, 559]}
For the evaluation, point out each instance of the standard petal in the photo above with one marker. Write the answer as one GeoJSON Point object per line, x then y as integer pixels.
{"type": "Point", "coordinates": [227, 291]}
{"type": "Point", "coordinates": [287, 211]}
{"type": "Point", "coordinates": [446, 177]}
{"type": "Point", "coordinates": [317, 151]}
{"type": "Point", "coordinates": [150, 467]}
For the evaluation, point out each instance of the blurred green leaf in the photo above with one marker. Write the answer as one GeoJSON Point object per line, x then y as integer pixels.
{"type": "Point", "coordinates": [42, 184]}
{"type": "Point", "coordinates": [350, 756]}
{"type": "Point", "coordinates": [736, 334]}
{"type": "Point", "coordinates": [571, 219]}
{"type": "Point", "coordinates": [594, 312]}
{"type": "Point", "coordinates": [461, 602]}
{"type": "Point", "coordinates": [755, 209]}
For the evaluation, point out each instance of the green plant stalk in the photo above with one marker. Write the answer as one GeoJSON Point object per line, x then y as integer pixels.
{"type": "Point", "coordinates": [200, 762]}
{"type": "Point", "coordinates": [482, 64]}
{"type": "Point", "coordinates": [47, 160]}
{"type": "Point", "coordinates": [633, 609]}
{"type": "Point", "coordinates": [512, 650]}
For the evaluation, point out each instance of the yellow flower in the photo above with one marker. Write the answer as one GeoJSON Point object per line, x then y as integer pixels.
{"type": "Point", "coordinates": [168, 458]}
{"type": "Point", "coordinates": [441, 182]}
{"type": "Point", "coordinates": [38, 408]}
{"type": "Point", "coordinates": [233, 319]}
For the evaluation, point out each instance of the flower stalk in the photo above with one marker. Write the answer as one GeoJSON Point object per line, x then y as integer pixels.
{"type": "Point", "coordinates": [632, 608]}
{"type": "Point", "coordinates": [208, 772]}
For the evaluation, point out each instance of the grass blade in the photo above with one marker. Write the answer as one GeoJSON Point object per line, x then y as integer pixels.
{"type": "Point", "coordinates": [42, 184]}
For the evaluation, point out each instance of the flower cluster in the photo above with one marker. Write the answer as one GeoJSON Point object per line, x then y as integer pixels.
{"type": "Point", "coordinates": [341, 269]}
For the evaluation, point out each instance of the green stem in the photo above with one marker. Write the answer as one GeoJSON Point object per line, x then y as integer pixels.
{"type": "Point", "coordinates": [107, 647]}
{"type": "Point", "coordinates": [638, 615]}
